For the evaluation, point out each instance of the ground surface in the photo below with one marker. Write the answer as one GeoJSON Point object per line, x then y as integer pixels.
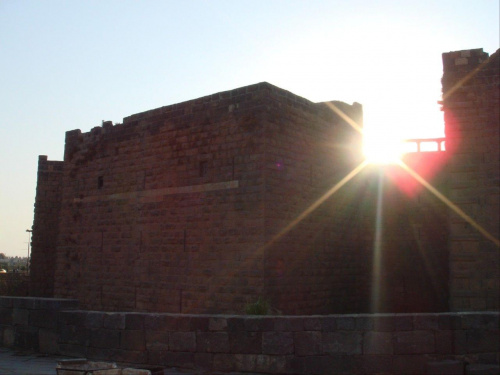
{"type": "Point", "coordinates": [14, 362]}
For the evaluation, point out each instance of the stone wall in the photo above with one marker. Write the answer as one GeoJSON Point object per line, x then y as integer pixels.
{"type": "Point", "coordinates": [205, 206]}
{"type": "Point", "coordinates": [441, 343]}
{"type": "Point", "coordinates": [45, 227]}
{"type": "Point", "coordinates": [471, 104]}
{"type": "Point", "coordinates": [174, 209]}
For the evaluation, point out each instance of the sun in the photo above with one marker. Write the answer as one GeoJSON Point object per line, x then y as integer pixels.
{"type": "Point", "coordinates": [383, 150]}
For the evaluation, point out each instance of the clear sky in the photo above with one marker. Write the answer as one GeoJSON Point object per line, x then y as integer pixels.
{"type": "Point", "coordinates": [71, 64]}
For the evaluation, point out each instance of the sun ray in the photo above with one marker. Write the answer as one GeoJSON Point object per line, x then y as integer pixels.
{"type": "Point", "coordinates": [377, 248]}
{"type": "Point", "coordinates": [450, 204]}
{"type": "Point", "coordinates": [318, 203]}
{"type": "Point", "coordinates": [461, 82]}
{"type": "Point", "coordinates": [344, 117]}
{"type": "Point", "coordinates": [296, 221]}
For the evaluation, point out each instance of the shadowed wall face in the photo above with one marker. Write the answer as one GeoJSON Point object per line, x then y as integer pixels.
{"type": "Point", "coordinates": [45, 227]}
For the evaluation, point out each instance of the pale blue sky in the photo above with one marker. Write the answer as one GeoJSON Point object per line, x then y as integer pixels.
{"type": "Point", "coordinates": [71, 64]}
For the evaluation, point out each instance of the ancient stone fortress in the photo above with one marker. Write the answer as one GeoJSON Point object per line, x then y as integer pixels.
{"type": "Point", "coordinates": [188, 208]}
{"type": "Point", "coordinates": [150, 231]}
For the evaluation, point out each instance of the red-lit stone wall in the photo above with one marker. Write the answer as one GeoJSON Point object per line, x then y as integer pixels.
{"type": "Point", "coordinates": [471, 104]}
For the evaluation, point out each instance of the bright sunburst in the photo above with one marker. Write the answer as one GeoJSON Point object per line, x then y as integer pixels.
{"type": "Point", "coordinates": [382, 150]}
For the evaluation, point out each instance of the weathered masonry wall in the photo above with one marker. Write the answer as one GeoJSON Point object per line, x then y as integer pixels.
{"type": "Point", "coordinates": [172, 210]}
{"type": "Point", "coordinates": [194, 208]}
{"type": "Point", "coordinates": [442, 343]}
{"type": "Point", "coordinates": [471, 105]}
{"type": "Point", "coordinates": [45, 227]}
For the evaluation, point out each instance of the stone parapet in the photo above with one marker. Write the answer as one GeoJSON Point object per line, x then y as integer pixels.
{"type": "Point", "coordinates": [341, 344]}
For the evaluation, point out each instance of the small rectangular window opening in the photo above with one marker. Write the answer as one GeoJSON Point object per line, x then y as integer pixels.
{"type": "Point", "coordinates": [203, 168]}
{"type": "Point", "coordinates": [100, 182]}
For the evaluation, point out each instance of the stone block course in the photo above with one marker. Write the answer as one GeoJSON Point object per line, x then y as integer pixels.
{"type": "Point", "coordinates": [212, 342]}
{"type": "Point", "coordinates": [277, 343]}
{"type": "Point", "coordinates": [414, 342]}
{"type": "Point", "coordinates": [242, 346]}
{"type": "Point", "coordinates": [342, 342]}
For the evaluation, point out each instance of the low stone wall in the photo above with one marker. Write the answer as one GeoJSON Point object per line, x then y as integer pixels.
{"type": "Point", "coordinates": [32, 323]}
{"type": "Point", "coordinates": [14, 284]}
{"type": "Point", "coordinates": [441, 343]}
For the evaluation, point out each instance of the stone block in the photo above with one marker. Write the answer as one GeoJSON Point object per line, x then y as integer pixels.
{"type": "Point", "coordinates": [376, 364]}
{"type": "Point", "coordinates": [155, 322]}
{"type": "Point", "coordinates": [157, 337]}
{"type": "Point", "coordinates": [444, 342]}
{"type": "Point", "coordinates": [133, 340]}
{"type": "Point", "coordinates": [74, 335]}
{"type": "Point", "coordinates": [48, 341]}
{"type": "Point", "coordinates": [212, 342]}
{"type": "Point", "coordinates": [217, 324]}
{"type": "Point", "coordinates": [277, 343]}
{"type": "Point", "coordinates": [6, 316]}
{"type": "Point", "coordinates": [329, 324]}
{"type": "Point", "coordinates": [245, 342]}
{"type": "Point", "coordinates": [308, 343]}
{"type": "Point", "coordinates": [182, 342]}
{"type": "Point", "coordinates": [289, 324]}
{"type": "Point", "coordinates": [327, 365]}
{"type": "Point", "coordinates": [26, 337]}
{"type": "Point", "coordinates": [482, 369]}
{"type": "Point", "coordinates": [29, 303]}
{"type": "Point", "coordinates": [74, 317]}
{"type": "Point", "coordinates": [20, 316]}
{"type": "Point", "coordinates": [482, 341]}
{"type": "Point", "coordinates": [134, 321]}
{"type": "Point", "coordinates": [245, 362]}
{"type": "Point", "coordinates": [105, 338]}
{"type": "Point", "coordinates": [200, 324]}
{"type": "Point", "coordinates": [175, 323]}
{"type": "Point", "coordinates": [377, 343]}
{"type": "Point", "coordinates": [94, 319]}
{"type": "Point", "coordinates": [425, 322]}
{"type": "Point", "coordinates": [8, 337]}
{"type": "Point", "coordinates": [270, 364]}
{"type": "Point", "coordinates": [384, 323]}
{"type": "Point", "coordinates": [482, 321]}
{"type": "Point", "coordinates": [224, 362]}
{"type": "Point", "coordinates": [259, 324]}
{"type": "Point", "coordinates": [342, 342]}
{"type": "Point", "coordinates": [459, 342]}
{"type": "Point", "coordinates": [178, 359]}
{"type": "Point", "coordinates": [156, 352]}
{"type": "Point", "coordinates": [403, 323]}
{"type": "Point", "coordinates": [346, 324]}
{"type": "Point", "coordinates": [43, 318]}
{"type": "Point", "coordinates": [204, 361]}
{"type": "Point", "coordinates": [414, 342]}
{"type": "Point", "coordinates": [448, 367]}
{"type": "Point", "coordinates": [312, 324]}
{"type": "Point", "coordinates": [71, 350]}
{"type": "Point", "coordinates": [134, 371]}
{"type": "Point", "coordinates": [236, 324]}
{"type": "Point", "coordinates": [114, 320]}
{"type": "Point", "coordinates": [6, 302]}
{"type": "Point", "coordinates": [450, 321]}
{"type": "Point", "coordinates": [409, 365]}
